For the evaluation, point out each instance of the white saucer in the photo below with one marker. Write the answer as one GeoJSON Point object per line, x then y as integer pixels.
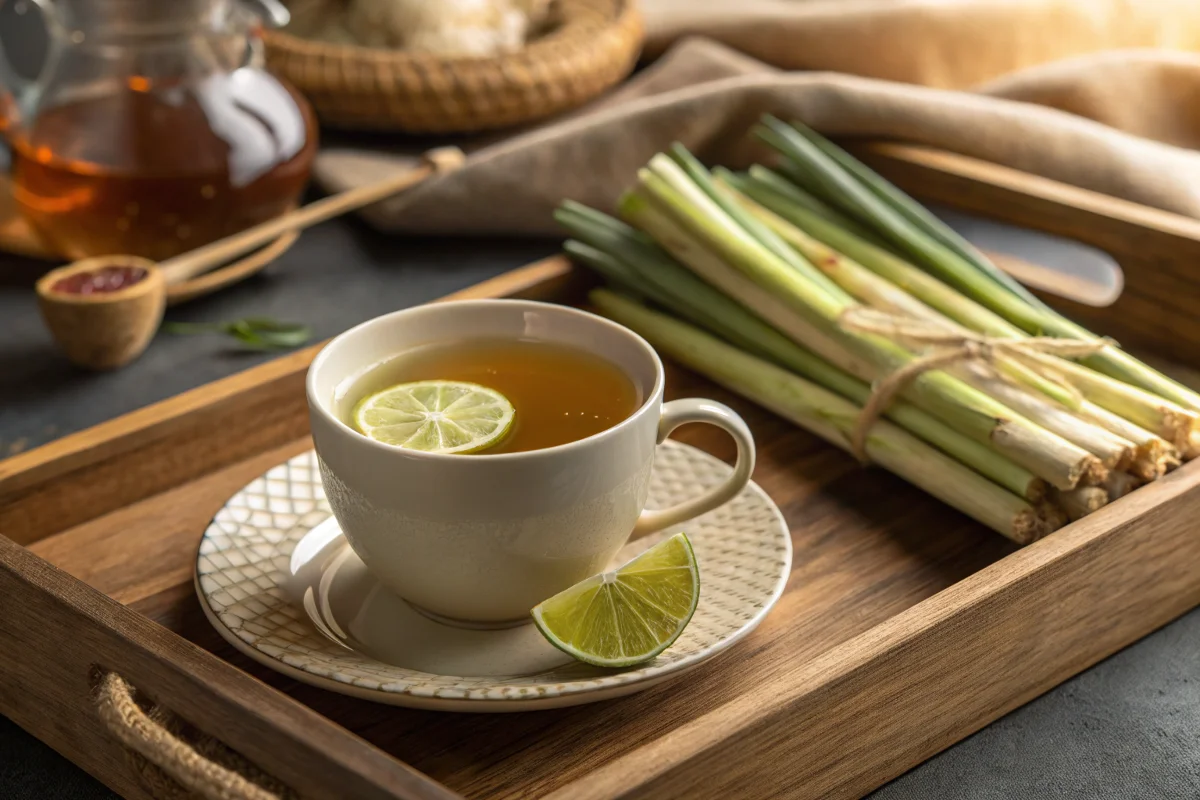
{"type": "Point", "coordinates": [278, 581]}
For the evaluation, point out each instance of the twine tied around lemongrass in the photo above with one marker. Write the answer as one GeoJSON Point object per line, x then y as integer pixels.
{"type": "Point", "coordinates": [948, 345]}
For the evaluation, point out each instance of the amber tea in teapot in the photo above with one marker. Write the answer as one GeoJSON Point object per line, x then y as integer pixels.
{"type": "Point", "coordinates": [154, 130]}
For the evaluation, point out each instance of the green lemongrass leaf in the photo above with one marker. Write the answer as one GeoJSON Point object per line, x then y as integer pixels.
{"type": "Point", "coordinates": [610, 268]}
{"type": "Point", "coordinates": [924, 249]}
{"type": "Point", "coordinates": [772, 180]}
{"type": "Point", "coordinates": [916, 213]}
{"type": "Point", "coordinates": [765, 236]}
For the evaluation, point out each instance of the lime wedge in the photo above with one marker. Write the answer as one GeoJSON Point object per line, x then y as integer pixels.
{"type": "Point", "coordinates": [436, 416]}
{"type": "Point", "coordinates": [629, 615]}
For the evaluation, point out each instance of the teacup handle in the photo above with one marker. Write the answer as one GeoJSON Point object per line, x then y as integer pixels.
{"type": "Point", "coordinates": [681, 412]}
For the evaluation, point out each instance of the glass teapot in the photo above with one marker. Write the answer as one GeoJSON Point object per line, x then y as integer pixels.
{"type": "Point", "coordinates": [153, 127]}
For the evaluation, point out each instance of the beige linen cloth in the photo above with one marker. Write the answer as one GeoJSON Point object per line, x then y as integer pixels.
{"type": "Point", "coordinates": [1103, 94]}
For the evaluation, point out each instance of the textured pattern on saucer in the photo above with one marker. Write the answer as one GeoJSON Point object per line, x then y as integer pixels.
{"type": "Point", "coordinates": [743, 549]}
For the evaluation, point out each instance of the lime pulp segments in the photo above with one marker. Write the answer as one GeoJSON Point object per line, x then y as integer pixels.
{"type": "Point", "coordinates": [436, 416]}
{"type": "Point", "coordinates": [629, 615]}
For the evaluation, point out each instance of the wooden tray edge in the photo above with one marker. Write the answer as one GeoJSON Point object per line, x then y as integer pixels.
{"type": "Point", "coordinates": [95, 633]}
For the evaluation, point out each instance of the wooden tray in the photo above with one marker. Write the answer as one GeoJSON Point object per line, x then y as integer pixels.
{"type": "Point", "coordinates": [905, 626]}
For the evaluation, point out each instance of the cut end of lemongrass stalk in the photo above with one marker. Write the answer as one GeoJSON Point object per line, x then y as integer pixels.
{"type": "Point", "coordinates": [1113, 451]}
{"type": "Point", "coordinates": [1120, 484]}
{"type": "Point", "coordinates": [1036, 490]}
{"type": "Point", "coordinates": [1179, 427]}
{"type": "Point", "coordinates": [1078, 503]}
{"type": "Point", "coordinates": [1148, 411]}
{"type": "Point", "coordinates": [1052, 515]}
{"type": "Point", "coordinates": [1151, 460]}
{"type": "Point", "coordinates": [1094, 474]}
{"type": "Point", "coordinates": [1192, 449]}
{"type": "Point", "coordinates": [1030, 525]}
{"type": "Point", "coordinates": [1060, 462]}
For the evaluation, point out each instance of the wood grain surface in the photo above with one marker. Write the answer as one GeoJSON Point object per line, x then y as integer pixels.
{"type": "Point", "coordinates": [904, 627]}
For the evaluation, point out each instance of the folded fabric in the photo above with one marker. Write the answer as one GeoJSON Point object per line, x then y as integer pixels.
{"type": "Point", "coordinates": [1093, 125]}
{"type": "Point", "coordinates": [950, 44]}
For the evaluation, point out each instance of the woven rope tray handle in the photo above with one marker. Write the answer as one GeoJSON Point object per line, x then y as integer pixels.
{"type": "Point", "coordinates": [171, 767]}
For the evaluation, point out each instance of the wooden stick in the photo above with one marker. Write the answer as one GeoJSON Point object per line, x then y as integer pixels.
{"type": "Point", "coordinates": [181, 268]}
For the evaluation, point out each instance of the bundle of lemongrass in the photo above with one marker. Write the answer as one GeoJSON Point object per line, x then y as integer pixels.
{"type": "Point", "coordinates": [827, 295]}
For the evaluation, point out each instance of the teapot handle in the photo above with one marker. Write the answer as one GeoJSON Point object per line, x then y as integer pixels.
{"type": "Point", "coordinates": [23, 91]}
{"type": "Point", "coordinates": [267, 13]}
{"type": "Point", "coordinates": [273, 13]}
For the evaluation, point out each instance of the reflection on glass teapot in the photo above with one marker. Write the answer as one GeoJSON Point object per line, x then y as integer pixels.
{"type": "Point", "coordinates": [153, 127]}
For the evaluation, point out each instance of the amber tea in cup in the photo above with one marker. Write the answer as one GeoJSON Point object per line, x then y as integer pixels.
{"type": "Point", "coordinates": [561, 393]}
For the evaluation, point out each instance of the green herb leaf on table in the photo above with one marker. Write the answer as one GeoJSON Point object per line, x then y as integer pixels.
{"type": "Point", "coordinates": [253, 333]}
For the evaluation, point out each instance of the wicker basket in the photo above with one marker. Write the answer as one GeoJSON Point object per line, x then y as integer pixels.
{"type": "Point", "coordinates": [589, 46]}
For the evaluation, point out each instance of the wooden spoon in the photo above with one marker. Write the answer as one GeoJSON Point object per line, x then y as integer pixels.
{"type": "Point", "coordinates": [108, 329]}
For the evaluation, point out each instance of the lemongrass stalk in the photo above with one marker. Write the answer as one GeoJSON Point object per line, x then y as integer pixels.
{"type": "Point", "coordinates": [797, 194]}
{"type": "Point", "coordinates": [669, 184]}
{"type": "Point", "coordinates": [627, 258]}
{"type": "Point", "coordinates": [1078, 503]}
{"type": "Point", "coordinates": [1052, 514]}
{"type": "Point", "coordinates": [982, 284]}
{"type": "Point", "coordinates": [882, 262]}
{"type": "Point", "coordinates": [697, 176]}
{"type": "Point", "coordinates": [705, 263]}
{"type": "Point", "coordinates": [1113, 451]}
{"type": "Point", "coordinates": [1119, 364]}
{"type": "Point", "coordinates": [1113, 361]}
{"type": "Point", "coordinates": [898, 229]}
{"type": "Point", "coordinates": [876, 291]}
{"type": "Point", "coordinates": [650, 272]}
{"type": "Point", "coordinates": [1149, 411]}
{"type": "Point", "coordinates": [830, 417]}
{"type": "Point", "coordinates": [919, 216]}
{"type": "Point", "coordinates": [859, 282]}
{"type": "Point", "coordinates": [1151, 451]}
{"type": "Point", "coordinates": [1120, 484]}
{"type": "Point", "coordinates": [784, 299]}
{"type": "Point", "coordinates": [611, 268]}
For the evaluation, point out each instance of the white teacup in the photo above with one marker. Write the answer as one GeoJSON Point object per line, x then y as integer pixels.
{"type": "Point", "coordinates": [484, 538]}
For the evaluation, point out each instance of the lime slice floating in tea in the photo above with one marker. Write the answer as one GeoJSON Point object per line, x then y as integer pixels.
{"type": "Point", "coordinates": [629, 615]}
{"type": "Point", "coordinates": [436, 416]}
